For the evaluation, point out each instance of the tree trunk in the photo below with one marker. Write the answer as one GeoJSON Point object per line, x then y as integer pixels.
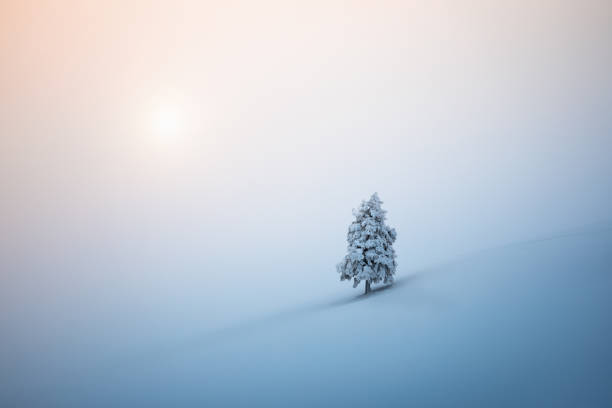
{"type": "Point", "coordinates": [367, 288]}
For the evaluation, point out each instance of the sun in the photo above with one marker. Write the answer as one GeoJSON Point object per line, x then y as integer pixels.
{"type": "Point", "coordinates": [167, 122]}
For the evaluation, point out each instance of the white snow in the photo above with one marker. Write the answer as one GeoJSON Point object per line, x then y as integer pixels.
{"type": "Point", "coordinates": [525, 325]}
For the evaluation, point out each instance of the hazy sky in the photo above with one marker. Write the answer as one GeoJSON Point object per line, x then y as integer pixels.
{"type": "Point", "coordinates": [477, 122]}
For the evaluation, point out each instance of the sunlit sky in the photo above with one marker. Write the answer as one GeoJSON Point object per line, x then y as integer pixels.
{"type": "Point", "coordinates": [153, 151]}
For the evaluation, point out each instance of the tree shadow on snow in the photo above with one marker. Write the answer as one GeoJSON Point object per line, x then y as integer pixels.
{"type": "Point", "coordinates": [223, 335]}
{"type": "Point", "coordinates": [290, 315]}
{"type": "Point", "coordinates": [377, 290]}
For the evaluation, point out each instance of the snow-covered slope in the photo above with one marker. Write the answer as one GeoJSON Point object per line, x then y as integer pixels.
{"type": "Point", "coordinates": [524, 325]}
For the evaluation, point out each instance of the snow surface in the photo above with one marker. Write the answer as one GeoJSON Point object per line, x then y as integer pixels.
{"type": "Point", "coordinates": [525, 325]}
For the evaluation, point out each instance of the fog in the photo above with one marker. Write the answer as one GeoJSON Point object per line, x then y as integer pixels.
{"type": "Point", "coordinates": [479, 124]}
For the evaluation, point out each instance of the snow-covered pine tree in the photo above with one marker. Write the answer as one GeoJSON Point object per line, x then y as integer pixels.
{"type": "Point", "coordinates": [370, 256]}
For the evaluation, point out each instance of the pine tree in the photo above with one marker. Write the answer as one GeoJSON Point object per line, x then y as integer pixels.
{"type": "Point", "coordinates": [370, 256]}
